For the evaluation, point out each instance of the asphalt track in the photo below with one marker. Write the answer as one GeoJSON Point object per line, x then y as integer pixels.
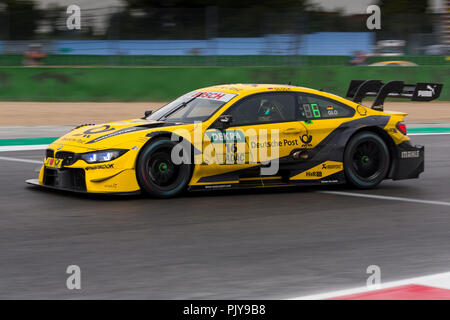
{"type": "Point", "coordinates": [223, 245]}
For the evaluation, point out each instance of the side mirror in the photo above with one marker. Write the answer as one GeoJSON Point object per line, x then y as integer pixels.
{"type": "Point", "coordinates": [224, 121]}
{"type": "Point", "coordinates": [147, 113]}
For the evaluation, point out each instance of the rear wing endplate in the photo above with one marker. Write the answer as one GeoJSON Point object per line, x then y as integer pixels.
{"type": "Point", "coordinates": [422, 91]}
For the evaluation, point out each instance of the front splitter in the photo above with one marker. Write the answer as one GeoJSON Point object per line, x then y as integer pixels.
{"type": "Point", "coordinates": [35, 182]}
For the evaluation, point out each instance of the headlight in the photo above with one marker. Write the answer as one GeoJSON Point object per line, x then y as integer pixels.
{"type": "Point", "coordinates": [102, 156]}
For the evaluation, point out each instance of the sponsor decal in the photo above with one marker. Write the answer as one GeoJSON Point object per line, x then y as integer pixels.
{"type": "Point", "coordinates": [89, 132]}
{"type": "Point", "coordinates": [218, 186]}
{"type": "Point", "coordinates": [233, 155]}
{"type": "Point", "coordinates": [306, 139]}
{"type": "Point", "coordinates": [332, 111]}
{"type": "Point", "coordinates": [235, 158]}
{"type": "Point", "coordinates": [281, 88]}
{"type": "Point", "coordinates": [273, 143]}
{"type": "Point", "coordinates": [231, 88]}
{"type": "Point", "coordinates": [361, 110]}
{"type": "Point", "coordinates": [329, 181]}
{"type": "Point", "coordinates": [410, 154]}
{"type": "Point", "coordinates": [211, 95]}
{"type": "Point", "coordinates": [117, 133]}
{"type": "Point", "coordinates": [426, 93]}
{"type": "Point", "coordinates": [320, 171]}
{"type": "Point", "coordinates": [226, 136]}
{"type": "Point", "coordinates": [111, 186]}
{"type": "Point", "coordinates": [314, 174]}
{"type": "Point", "coordinates": [80, 141]}
{"type": "Point", "coordinates": [101, 166]}
{"type": "Point", "coordinates": [53, 162]}
{"type": "Point", "coordinates": [290, 142]}
{"type": "Point", "coordinates": [391, 130]}
{"type": "Point", "coordinates": [331, 166]}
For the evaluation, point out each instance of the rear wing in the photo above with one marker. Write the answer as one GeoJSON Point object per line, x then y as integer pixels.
{"type": "Point", "coordinates": [422, 91]}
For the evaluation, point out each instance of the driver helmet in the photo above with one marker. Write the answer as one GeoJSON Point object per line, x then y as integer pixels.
{"type": "Point", "coordinates": [265, 110]}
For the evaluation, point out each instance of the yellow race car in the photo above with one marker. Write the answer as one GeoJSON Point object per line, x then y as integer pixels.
{"type": "Point", "coordinates": [394, 63]}
{"type": "Point", "coordinates": [243, 136]}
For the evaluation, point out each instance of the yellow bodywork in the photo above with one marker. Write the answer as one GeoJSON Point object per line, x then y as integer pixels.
{"type": "Point", "coordinates": [119, 175]}
{"type": "Point", "coordinates": [400, 63]}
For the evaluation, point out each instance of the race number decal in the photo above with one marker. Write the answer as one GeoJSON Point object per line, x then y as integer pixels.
{"type": "Point", "coordinates": [311, 110]}
{"type": "Point", "coordinates": [315, 110]}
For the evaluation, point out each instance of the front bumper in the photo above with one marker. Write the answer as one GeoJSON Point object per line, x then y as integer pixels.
{"type": "Point", "coordinates": [409, 162]}
{"type": "Point", "coordinates": [66, 178]}
{"type": "Point", "coordinates": [74, 174]}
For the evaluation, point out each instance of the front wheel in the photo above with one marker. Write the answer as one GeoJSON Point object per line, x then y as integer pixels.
{"type": "Point", "coordinates": [157, 174]}
{"type": "Point", "coordinates": [366, 160]}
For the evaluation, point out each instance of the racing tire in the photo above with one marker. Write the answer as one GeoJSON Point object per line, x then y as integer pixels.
{"type": "Point", "coordinates": [156, 173]}
{"type": "Point", "coordinates": [366, 160]}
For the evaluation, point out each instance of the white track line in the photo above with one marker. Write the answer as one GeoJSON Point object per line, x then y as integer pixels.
{"type": "Point", "coordinates": [424, 280]}
{"type": "Point", "coordinates": [428, 134]}
{"type": "Point", "coordinates": [24, 148]}
{"type": "Point", "coordinates": [374, 196]}
{"type": "Point", "coordinates": [20, 160]}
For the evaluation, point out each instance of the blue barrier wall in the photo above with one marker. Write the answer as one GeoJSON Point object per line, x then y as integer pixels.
{"type": "Point", "coordinates": [337, 43]}
{"type": "Point", "coordinates": [323, 43]}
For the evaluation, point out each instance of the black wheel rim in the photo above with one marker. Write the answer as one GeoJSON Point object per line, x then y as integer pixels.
{"type": "Point", "coordinates": [161, 169]}
{"type": "Point", "coordinates": [367, 159]}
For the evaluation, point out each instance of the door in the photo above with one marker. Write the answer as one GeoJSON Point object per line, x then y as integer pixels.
{"type": "Point", "coordinates": [321, 117]}
{"type": "Point", "coordinates": [264, 129]}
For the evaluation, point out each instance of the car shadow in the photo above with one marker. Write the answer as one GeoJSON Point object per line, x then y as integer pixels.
{"type": "Point", "coordinates": [212, 193]}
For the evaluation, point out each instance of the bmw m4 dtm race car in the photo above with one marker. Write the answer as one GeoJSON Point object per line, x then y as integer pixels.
{"type": "Point", "coordinates": [244, 136]}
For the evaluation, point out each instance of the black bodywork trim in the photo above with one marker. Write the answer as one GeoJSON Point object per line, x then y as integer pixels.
{"type": "Point", "coordinates": [407, 165]}
{"type": "Point", "coordinates": [409, 161]}
{"type": "Point", "coordinates": [331, 148]}
{"type": "Point", "coordinates": [65, 178]}
{"type": "Point", "coordinates": [359, 90]}
{"type": "Point", "coordinates": [421, 91]}
{"type": "Point", "coordinates": [117, 133]}
{"type": "Point", "coordinates": [334, 179]}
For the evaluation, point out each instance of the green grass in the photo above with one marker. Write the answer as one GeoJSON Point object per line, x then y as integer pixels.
{"type": "Point", "coordinates": [166, 83]}
{"type": "Point", "coordinates": [26, 141]}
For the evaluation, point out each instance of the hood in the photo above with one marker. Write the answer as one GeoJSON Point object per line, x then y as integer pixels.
{"type": "Point", "coordinates": [108, 135]}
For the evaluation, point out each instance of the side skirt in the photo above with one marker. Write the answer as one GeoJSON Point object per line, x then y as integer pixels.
{"type": "Point", "coordinates": [337, 178]}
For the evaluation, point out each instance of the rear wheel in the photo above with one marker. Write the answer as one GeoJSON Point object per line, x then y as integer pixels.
{"type": "Point", "coordinates": [157, 174]}
{"type": "Point", "coordinates": [366, 160]}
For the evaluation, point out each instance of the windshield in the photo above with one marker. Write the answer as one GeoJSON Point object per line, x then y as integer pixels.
{"type": "Point", "coordinates": [194, 106]}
